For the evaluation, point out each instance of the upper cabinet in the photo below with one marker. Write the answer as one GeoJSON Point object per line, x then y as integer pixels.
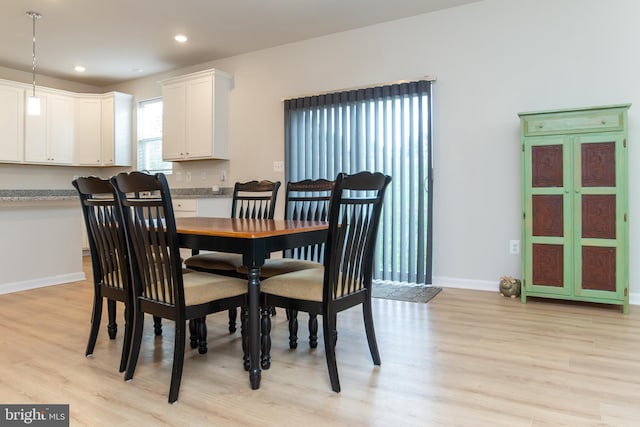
{"type": "Point", "coordinates": [49, 137]}
{"type": "Point", "coordinates": [103, 129]}
{"type": "Point", "coordinates": [196, 116]}
{"type": "Point", "coordinates": [72, 128]}
{"type": "Point", "coordinates": [12, 123]}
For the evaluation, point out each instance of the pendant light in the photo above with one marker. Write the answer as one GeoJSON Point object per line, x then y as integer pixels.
{"type": "Point", "coordinates": [33, 102]}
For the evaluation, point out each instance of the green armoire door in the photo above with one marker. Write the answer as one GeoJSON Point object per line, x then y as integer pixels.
{"type": "Point", "coordinates": [574, 197]}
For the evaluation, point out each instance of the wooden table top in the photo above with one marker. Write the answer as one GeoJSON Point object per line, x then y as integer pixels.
{"type": "Point", "coordinates": [245, 228]}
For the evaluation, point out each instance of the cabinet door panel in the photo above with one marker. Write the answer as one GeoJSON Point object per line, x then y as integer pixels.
{"type": "Point", "coordinates": [173, 119]}
{"type": "Point", "coordinates": [36, 138]}
{"type": "Point", "coordinates": [548, 215]}
{"type": "Point", "coordinates": [599, 268]}
{"type": "Point", "coordinates": [61, 129]}
{"type": "Point", "coordinates": [599, 216]}
{"type": "Point", "coordinates": [199, 119]}
{"type": "Point", "coordinates": [11, 123]}
{"type": "Point", "coordinates": [548, 265]}
{"type": "Point", "coordinates": [547, 166]}
{"type": "Point", "coordinates": [598, 164]}
{"type": "Point", "coordinates": [88, 131]}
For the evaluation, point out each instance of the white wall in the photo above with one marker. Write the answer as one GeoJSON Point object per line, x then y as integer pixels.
{"type": "Point", "coordinates": [492, 60]}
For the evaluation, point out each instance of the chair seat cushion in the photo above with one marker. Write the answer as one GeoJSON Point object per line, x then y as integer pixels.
{"type": "Point", "coordinates": [303, 284]}
{"type": "Point", "coordinates": [220, 261]}
{"type": "Point", "coordinates": [200, 288]}
{"type": "Point", "coordinates": [274, 267]}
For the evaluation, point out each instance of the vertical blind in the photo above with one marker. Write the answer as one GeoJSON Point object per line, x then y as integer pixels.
{"type": "Point", "coordinates": [385, 129]}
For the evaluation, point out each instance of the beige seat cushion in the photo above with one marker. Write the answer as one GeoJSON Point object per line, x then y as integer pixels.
{"type": "Point", "coordinates": [273, 267]}
{"type": "Point", "coordinates": [303, 284]}
{"type": "Point", "coordinates": [200, 288]}
{"type": "Point", "coordinates": [215, 261]}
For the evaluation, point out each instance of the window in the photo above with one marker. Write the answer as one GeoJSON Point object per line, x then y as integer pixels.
{"type": "Point", "coordinates": [150, 137]}
{"type": "Point", "coordinates": [385, 129]}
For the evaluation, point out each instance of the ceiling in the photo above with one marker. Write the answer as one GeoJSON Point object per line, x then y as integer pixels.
{"type": "Point", "coordinates": [119, 40]}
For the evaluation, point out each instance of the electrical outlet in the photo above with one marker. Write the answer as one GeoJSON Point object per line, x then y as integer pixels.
{"type": "Point", "coordinates": [223, 176]}
{"type": "Point", "coordinates": [188, 176]}
{"type": "Point", "coordinates": [278, 166]}
{"type": "Point", "coordinates": [514, 247]}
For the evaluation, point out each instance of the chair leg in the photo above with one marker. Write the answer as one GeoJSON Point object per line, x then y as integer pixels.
{"type": "Point", "coordinates": [292, 315]}
{"type": "Point", "coordinates": [244, 325]}
{"type": "Point", "coordinates": [371, 334]}
{"type": "Point", "coordinates": [126, 345]}
{"type": "Point", "coordinates": [202, 335]}
{"type": "Point", "coordinates": [265, 360]}
{"type": "Point", "coordinates": [193, 333]}
{"type": "Point", "coordinates": [112, 327]}
{"type": "Point", "coordinates": [233, 315]}
{"type": "Point", "coordinates": [313, 331]}
{"type": "Point", "coordinates": [157, 326]}
{"type": "Point", "coordinates": [328, 328]}
{"type": "Point", "coordinates": [136, 341]}
{"type": "Point", "coordinates": [96, 318]}
{"type": "Point", "coordinates": [178, 361]}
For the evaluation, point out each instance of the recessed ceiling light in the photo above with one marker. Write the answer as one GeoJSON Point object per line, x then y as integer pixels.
{"type": "Point", "coordinates": [80, 68]}
{"type": "Point", "coordinates": [137, 70]}
{"type": "Point", "coordinates": [180, 38]}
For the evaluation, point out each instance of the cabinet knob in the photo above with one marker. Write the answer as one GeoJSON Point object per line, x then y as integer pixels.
{"type": "Point", "coordinates": [604, 122]}
{"type": "Point", "coordinates": [540, 126]}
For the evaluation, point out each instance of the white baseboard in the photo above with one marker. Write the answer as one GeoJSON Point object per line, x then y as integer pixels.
{"type": "Point", "coordinates": [477, 285]}
{"type": "Point", "coordinates": [7, 288]}
{"type": "Point", "coordinates": [485, 285]}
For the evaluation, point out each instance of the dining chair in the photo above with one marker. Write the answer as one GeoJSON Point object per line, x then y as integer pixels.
{"type": "Point", "coordinates": [160, 287]}
{"type": "Point", "coordinates": [345, 279]}
{"type": "Point", "coordinates": [304, 200]}
{"type": "Point", "coordinates": [253, 199]}
{"type": "Point", "coordinates": [109, 259]}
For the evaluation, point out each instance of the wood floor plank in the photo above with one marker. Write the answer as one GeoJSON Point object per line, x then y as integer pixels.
{"type": "Point", "coordinates": [467, 358]}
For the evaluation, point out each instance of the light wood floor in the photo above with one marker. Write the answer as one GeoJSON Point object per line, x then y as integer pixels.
{"type": "Point", "coordinates": [465, 359]}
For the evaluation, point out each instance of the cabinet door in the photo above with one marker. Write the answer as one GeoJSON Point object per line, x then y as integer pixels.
{"type": "Point", "coordinates": [107, 127]}
{"type": "Point", "coordinates": [600, 207]}
{"type": "Point", "coordinates": [36, 133]}
{"type": "Point", "coordinates": [11, 123]}
{"type": "Point", "coordinates": [199, 118]}
{"type": "Point", "coordinates": [88, 139]}
{"type": "Point", "coordinates": [173, 121]}
{"type": "Point", "coordinates": [61, 129]}
{"type": "Point", "coordinates": [548, 226]}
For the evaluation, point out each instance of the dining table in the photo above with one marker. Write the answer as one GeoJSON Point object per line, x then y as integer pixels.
{"type": "Point", "coordinates": [255, 240]}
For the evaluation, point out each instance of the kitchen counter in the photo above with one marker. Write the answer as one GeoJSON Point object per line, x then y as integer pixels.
{"type": "Point", "coordinates": [54, 195]}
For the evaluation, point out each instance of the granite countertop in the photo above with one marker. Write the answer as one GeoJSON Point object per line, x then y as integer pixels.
{"type": "Point", "coordinates": [52, 195]}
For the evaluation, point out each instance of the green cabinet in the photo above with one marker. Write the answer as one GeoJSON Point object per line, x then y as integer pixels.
{"type": "Point", "coordinates": [575, 231]}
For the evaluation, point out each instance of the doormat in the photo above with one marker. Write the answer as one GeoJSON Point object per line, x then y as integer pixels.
{"type": "Point", "coordinates": [405, 292]}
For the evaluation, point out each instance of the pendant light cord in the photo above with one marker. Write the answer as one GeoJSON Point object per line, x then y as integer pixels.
{"type": "Point", "coordinates": [34, 16]}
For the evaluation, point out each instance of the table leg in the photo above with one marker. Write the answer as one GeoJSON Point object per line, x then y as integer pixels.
{"type": "Point", "coordinates": [254, 327]}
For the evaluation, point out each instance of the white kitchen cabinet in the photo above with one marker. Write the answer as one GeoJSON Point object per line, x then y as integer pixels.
{"type": "Point", "coordinates": [49, 137]}
{"type": "Point", "coordinates": [196, 116]}
{"type": "Point", "coordinates": [12, 123]}
{"type": "Point", "coordinates": [103, 129]}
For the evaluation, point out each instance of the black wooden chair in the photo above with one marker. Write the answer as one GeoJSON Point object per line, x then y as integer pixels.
{"type": "Point", "coordinates": [159, 285]}
{"type": "Point", "coordinates": [254, 199]}
{"type": "Point", "coordinates": [109, 259]}
{"type": "Point", "coordinates": [304, 200]}
{"type": "Point", "coordinates": [345, 279]}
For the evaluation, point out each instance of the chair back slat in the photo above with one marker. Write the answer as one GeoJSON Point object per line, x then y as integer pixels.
{"type": "Point", "coordinates": [107, 241]}
{"type": "Point", "coordinates": [150, 224]}
{"type": "Point", "coordinates": [354, 215]}
{"type": "Point", "coordinates": [254, 199]}
{"type": "Point", "coordinates": [308, 200]}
